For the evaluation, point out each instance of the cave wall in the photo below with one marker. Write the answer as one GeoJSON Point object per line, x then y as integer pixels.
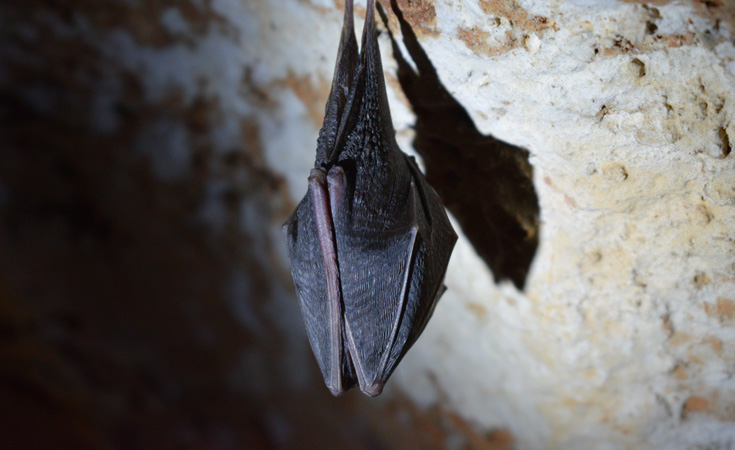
{"type": "Point", "coordinates": [151, 151]}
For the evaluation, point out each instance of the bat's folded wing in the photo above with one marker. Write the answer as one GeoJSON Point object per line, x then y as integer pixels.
{"type": "Point", "coordinates": [310, 280]}
{"type": "Point", "coordinates": [374, 275]}
{"type": "Point", "coordinates": [391, 277]}
{"type": "Point", "coordinates": [437, 239]}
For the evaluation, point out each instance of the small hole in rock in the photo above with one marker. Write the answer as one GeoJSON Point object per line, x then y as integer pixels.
{"type": "Point", "coordinates": [641, 67]}
{"type": "Point", "coordinates": [725, 142]}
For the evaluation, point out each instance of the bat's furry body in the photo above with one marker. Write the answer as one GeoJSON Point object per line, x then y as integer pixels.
{"type": "Point", "coordinates": [370, 242]}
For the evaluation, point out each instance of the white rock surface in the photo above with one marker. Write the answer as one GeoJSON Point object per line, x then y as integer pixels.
{"type": "Point", "coordinates": [623, 336]}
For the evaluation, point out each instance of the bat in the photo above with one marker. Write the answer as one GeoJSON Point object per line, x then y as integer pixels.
{"type": "Point", "coordinates": [370, 241]}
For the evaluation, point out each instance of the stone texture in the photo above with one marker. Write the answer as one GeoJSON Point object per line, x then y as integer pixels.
{"type": "Point", "coordinates": [152, 150]}
{"type": "Point", "coordinates": [627, 111]}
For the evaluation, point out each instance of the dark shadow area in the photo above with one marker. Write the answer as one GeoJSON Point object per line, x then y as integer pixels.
{"type": "Point", "coordinates": [485, 183]}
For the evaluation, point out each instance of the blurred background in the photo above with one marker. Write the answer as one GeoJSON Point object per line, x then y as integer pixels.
{"type": "Point", "coordinates": [145, 298]}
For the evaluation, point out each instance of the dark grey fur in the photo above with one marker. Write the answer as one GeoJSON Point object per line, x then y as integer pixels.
{"type": "Point", "coordinates": [370, 241]}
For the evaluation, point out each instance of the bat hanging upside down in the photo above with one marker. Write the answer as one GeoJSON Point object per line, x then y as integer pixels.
{"type": "Point", "coordinates": [370, 241]}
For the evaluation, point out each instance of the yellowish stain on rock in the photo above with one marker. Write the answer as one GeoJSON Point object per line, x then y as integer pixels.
{"type": "Point", "coordinates": [694, 359]}
{"type": "Point", "coordinates": [477, 40]}
{"type": "Point", "coordinates": [420, 14]}
{"type": "Point", "coordinates": [697, 405]}
{"type": "Point", "coordinates": [723, 310]}
{"type": "Point", "coordinates": [522, 23]}
{"type": "Point", "coordinates": [477, 309]}
{"type": "Point", "coordinates": [716, 344]}
{"type": "Point", "coordinates": [518, 17]}
{"type": "Point", "coordinates": [679, 372]}
{"type": "Point", "coordinates": [679, 338]}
